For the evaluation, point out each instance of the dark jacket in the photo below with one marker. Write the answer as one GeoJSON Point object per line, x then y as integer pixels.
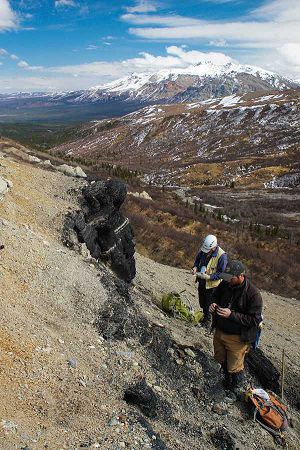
{"type": "Point", "coordinates": [245, 302]}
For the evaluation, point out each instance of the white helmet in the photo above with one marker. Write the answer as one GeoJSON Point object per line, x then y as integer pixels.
{"type": "Point", "coordinates": [208, 243]}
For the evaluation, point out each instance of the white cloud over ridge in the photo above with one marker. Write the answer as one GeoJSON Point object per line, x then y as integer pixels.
{"type": "Point", "coordinates": [176, 57]}
{"type": "Point", "coordinates": [269, 34]}
{"type": "Point", "coordinates": [267, 37]}
{"type": "Point", "coordinates": [82, 76]}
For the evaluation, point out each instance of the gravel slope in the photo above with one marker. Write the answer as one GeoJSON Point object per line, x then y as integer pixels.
{"type": "Point", "coordinates": [61, 384]}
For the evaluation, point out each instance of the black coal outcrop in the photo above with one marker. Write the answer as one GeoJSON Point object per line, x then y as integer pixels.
{"type": "Point", "coordinates": [101, 225]}
{"type": "Point", "coordinates": [143, 396]}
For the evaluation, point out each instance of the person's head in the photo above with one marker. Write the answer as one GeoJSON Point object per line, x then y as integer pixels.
{"type": "Point", "coordinates": [209, 244]}
{"type": "Point", "coordinates": [234, 273]}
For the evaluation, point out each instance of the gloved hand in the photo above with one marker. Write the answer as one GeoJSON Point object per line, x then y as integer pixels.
{"type": "Point", "coordinates": [203, 276]}
{"type": "Point", "coordinates": [194, 270]}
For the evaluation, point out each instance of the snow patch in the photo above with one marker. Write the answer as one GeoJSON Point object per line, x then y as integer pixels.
{"type": "Point", "coordinates": [231, 100]}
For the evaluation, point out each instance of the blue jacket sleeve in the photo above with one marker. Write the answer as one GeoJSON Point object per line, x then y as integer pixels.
{"type": "Point", "coordinates": [198, 259]}
{"type": "Point", "coordinates": [222, 263]}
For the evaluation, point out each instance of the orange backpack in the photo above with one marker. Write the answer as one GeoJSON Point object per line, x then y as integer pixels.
{"type": "Point", "coordinates": [270, 414]}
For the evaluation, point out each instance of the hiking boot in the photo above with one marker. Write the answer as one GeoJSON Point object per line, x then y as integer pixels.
{"type": "Point", "coordinates": [206, 321]}
{"type": "Point", "coordinates": [227, 381]}
{"type": "Point", "coordinates": [237, 382]}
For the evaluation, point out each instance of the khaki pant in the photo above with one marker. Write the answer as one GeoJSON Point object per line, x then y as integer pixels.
{"type": "Point", "coordinates": [229, 349]}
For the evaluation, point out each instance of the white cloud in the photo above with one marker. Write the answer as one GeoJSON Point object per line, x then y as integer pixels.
{"type": "Point", "coordinates": [230, 31]}
{"type": "Point", "coordinates": [274, 26]}
{"type": "Point", "coordinates": [194, 57]}
{"type": "Point", "coordinates": [279, 10]}
{"type": "Point", "coordinates": [8, 18]}
{"type": "Point", "coordinates": [65, 4]}
{"type": "Point", "coordinates": [146, 62]}
{"type": "Point", "coordinates": [143, 6]}
{"type": "Point", "coordinates": [3, 52]}
{"type": "Point", "coordinates": [222, 1]}
{"type": "Point", "coordinates": [169, 21]}
{"type": "Point", "coordinates": [219, 43]}
{"type": "Point", "coordinates": [92, 47]}
{"type": "Point", "coordinates": [23, 64]}
{"type": "Point", "coordinates": [41, 84]}
{"type": "Point", "coordinates": [291, 52]}
{"type": "Point", "coordinates": [276, 22]}
{"type": "Point", "coordinates": [14, 57]}
{"type": "Point", "coordinates": [82, 76]}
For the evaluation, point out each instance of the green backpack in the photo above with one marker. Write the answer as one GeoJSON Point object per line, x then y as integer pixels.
{"type": "Point", "coordinates": [172, 304]}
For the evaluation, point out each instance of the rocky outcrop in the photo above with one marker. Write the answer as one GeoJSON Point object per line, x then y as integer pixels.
{"type": "Point", "coordinates": [4, 185]}
{"type": "Point", "coordinates": [71, 171]}
{"type": "Point", "coordinates": [103, 228]}
{"type": "Point", "coordinates": [33, 159]}
{"type": "Point", "coordinates": [288, 180]}
{"type": "Point", "coordinates": [143, 195]}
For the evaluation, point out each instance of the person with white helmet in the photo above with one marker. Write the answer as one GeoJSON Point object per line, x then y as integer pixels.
{"type": "Point", "coordinates": [210, 262]}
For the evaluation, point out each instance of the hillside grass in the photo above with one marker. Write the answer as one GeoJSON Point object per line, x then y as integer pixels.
{"type": "Point", "coordinates": [170, 233]}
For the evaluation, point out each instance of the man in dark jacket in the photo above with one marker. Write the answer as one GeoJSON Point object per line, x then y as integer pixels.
{"type": "Point", "coordinates": [237, 313]}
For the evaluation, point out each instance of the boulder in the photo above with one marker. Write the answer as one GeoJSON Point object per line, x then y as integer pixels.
{"type": "Point", "coordinates": [143, 194]}
{"type": "Point", "coordinates": [33, 159]}
{"type": "Point", "coordinates": [79, 172]}
{"type": "Point", "coordinates": [3, 186]}
{"type": "Point", "coordinates": [46, 163]}
{"type": "Point", "coordinates": [101, 225]}
{"type": "Point", "coordinates": [71, 171]}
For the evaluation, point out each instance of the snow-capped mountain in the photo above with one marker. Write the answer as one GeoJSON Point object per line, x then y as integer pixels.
{"type": "Point", "coordinates": [197, 82]}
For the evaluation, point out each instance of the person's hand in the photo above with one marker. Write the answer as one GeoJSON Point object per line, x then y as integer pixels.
{"type": "Point", "coordinates": [223, 312]}
{"type": "Point", "coordinates": [203, 276]}
{"type": "Point", "coordinates": [212, 308]}
{"type": "Point", "coordinates": [194, 270]}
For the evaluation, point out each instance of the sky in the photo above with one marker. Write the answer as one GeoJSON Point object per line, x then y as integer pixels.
{"type": "Point", "coordinates": [63, 45]}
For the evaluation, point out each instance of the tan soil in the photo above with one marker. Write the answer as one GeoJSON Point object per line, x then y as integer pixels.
{"type": "Point", "coordinates": [49, 299]}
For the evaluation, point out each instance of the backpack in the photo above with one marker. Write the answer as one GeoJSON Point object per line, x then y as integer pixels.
{"type": "Point", "coordinates": [269, 412]}
{"type": "Point", "coordinates": [255, 344]}
{"type": "Point", "coordinates": [172, 304]}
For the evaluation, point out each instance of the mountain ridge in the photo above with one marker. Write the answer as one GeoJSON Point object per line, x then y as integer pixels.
{"type": "Point", "coordinates": [172, 84]}
{"type": "Point", "coordinates": [174, 144]}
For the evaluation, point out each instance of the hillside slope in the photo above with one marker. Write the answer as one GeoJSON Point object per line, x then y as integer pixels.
{"type": "Point", "coordinates": [251, 139]}
{"type": "Point", "coordinates": [63, 384]}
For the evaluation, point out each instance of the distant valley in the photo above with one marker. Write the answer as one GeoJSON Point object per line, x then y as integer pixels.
{"type": "Point", "coordinates": [218, 152]}
{"type": "Point", "coordinates": [250, 140]}
{"type": "Point", "coordinates": [196, 83]}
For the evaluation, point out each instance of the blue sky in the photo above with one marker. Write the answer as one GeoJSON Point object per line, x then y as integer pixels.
{"type": "Point", "coordinates": [54, 45]}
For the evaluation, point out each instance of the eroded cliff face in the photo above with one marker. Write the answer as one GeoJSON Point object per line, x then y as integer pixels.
{"type": "Point", "coordinates": [88, 360]}
{"type": "Point", "coordinates": [101, 225]}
